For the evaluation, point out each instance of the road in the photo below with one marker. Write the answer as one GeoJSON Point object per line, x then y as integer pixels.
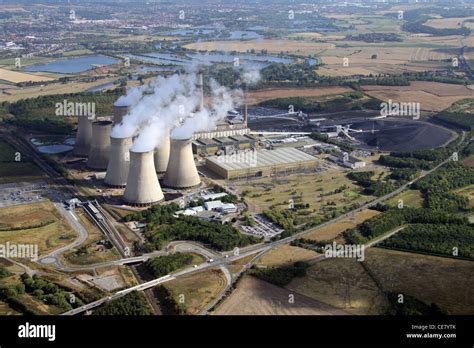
{"type": "Point", "coordinates": [220, 261]}
{"type": "Point", "coordinates": [264, 248]}
{"type": "Point", "coordinates": [54, 258]}
{"type": "Point", "coordinates": [25, 148]}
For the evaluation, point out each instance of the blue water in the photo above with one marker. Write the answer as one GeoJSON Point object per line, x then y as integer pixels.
{"type": "Point", "coordinates": [73, 65]}
{"type": "Point", "coordinates": [53, 149]}
{"type": "Point", "coordinates": [189, 58]}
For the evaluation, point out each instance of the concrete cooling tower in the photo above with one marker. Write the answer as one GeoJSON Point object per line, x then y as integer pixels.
{"type": "Point", "coordinates": [181, 172]}
{"type": "Point", "coordinates": [83, 137]}
{"type": "Point", "coordinates": [119, 162]}
{"type": "Point", "coordinates": [119, 112]}
{"type": "Point", "coordinates": [143, 187]}
{"type": "Point", "coordinates": [100, 145]}
{"type": "Point", "coordinates": [162, 156]}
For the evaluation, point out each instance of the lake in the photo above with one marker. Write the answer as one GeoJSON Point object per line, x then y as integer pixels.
{"type": "Point", "coordinates": [209, 58]}
{"type": "Point", "coordinates": [73, 65]}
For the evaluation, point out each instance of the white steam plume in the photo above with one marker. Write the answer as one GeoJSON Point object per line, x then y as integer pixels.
{"type": "Point", "coordinates": [172, 105]}
{"type": "Point", "coordinates": [132, 97]}
{"type": "Point", "coordinates": [222, 101]}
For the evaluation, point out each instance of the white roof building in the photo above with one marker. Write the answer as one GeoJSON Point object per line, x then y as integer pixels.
{"type": "Point", "coordinates": [214, 196]}
{"type": "Point", "coordinates": [213, 205]}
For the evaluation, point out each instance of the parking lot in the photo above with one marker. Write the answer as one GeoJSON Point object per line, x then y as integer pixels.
{"type": "Point", "coordinates": [16, 194]}
{"type": "Point", "coordinates": [263, 228]}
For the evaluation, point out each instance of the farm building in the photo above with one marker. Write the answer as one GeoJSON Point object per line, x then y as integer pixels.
{"type": "Point", "coordinates": [261, 163]}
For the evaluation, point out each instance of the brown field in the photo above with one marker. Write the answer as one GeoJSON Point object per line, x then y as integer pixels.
{"type": "Point", "coordinates": [24, 216]}
{"type": "Point", "coordinates": [345, 284]}
{"type": "Point", "coordinates": [447, 23]}
{"type": "Point", "coordinates": [286, 255]}
{"type": "Point", "coordinates": [306, 35]}
{"type": "Point", "coordinates": [48, 238]}
{"type": "Point", "coordinates": [469, 161]}
{"type": "Point", "coordinates": [389, 59]}
{"type": "Point", "coordinates": [257, 297]}
{"type": "Point", "coordinates": [444, 281]}
{"type": "Point", "coordinates": [15, 94]}
{"type": "Point", "coordinates": [198, 289]}
{"type": "Point", "coordinates": [432, 96]}
{"type": "Point", "coordinates": [272, 46]}
{"type": "Point", "coordinates": [334, 230]}
{"type": "Point", "coordinates": [16, 76]}
{"type": "Point", "coordinates": [255, 97]}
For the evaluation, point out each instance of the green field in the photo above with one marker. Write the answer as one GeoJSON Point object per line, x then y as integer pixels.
{"type": "Point", "coordinates": [410, 198]}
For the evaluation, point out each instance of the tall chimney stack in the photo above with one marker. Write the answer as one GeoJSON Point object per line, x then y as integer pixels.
{"type": "Point", "coordinates": [119, 162]}
{"type": "Point", "coordinates": [200, 85]}
{"type": "Point", "coordinates": [143, 187]}
{"type": "Point", "coordinates": [181, 172]}
{"type": "Point", "coordinates": [83, 137]}
{"type": "Point", "coordinates": [162, 155]}
{"type": "Point", "coordinates": [100, 145]}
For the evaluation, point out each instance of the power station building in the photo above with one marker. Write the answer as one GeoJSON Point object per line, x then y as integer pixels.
{"type": "Point", "coordinates": [227, 145]}
{"type": "Point", "coordinates": [261, 163]}
{"type": "Point", "coordinates": [234, 125]}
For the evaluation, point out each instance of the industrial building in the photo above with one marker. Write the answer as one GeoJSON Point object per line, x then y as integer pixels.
{"type": "Point", "coordinates": [346, 160]}
{"type": "Point", "coordinates": [261, 163]}
{"type": "Point", "coordinates": [226, 145]}
{"type": "Point", "coordinates": [233, 125]}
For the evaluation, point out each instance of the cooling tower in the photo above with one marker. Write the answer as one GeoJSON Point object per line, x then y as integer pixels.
{"type": "Point", "coordinates": [119, 112]}
{"type": "Point", "coordinates": [100, 145]}
{"type": "Point", "coordinates": [143, 187]}
{"type": "Point", "coordinates": [119, 161]}
{"type": "Point", "coordinates": [162, 156]}
{"type": "Point", "coordinates": [181, 172]}
{"type": "Point", "coordinates": [83, 137]}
